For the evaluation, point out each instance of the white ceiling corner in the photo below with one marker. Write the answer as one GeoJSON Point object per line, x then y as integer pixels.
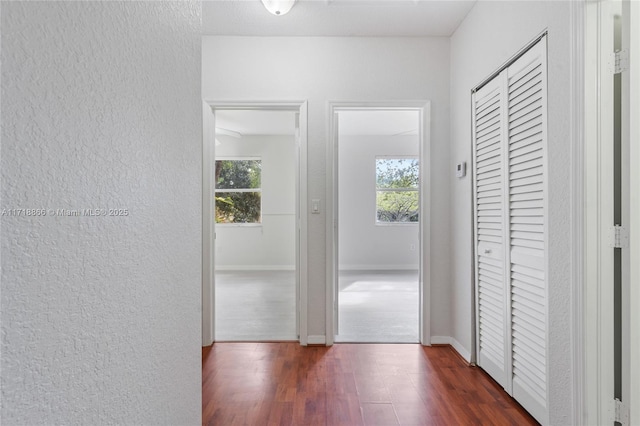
{"type": "Point", "coordinates": [255, 122]}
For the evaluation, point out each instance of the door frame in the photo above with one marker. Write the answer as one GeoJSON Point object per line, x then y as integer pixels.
{"type": "Point", "coordinates": [208, 207]}
{"type": "Point", "coordinates": [596, 322]}
{"type": "Point", "coordinates": [632, 23]}
{"type": "Point", "coordinates": [423, 107]}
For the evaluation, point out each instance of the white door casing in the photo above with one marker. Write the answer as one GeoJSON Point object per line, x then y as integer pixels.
{"type": "Point", "coordinates": [208, 266]}
{"type": "Point", "coordinates": [423, 107]}
{"type": "Point", "coordinates": [208, 226]}
{"type": "Point", "coordinates": [599, 128]}
{"type": "Point", "coordinates": [632, 38]}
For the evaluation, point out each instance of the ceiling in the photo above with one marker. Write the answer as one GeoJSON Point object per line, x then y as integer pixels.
{"type": "Point", "coordinates": [261, 122]}
{"type": "Point", "coordinates": [256, 122]}
{"type": "Point", "coordinates": [384, 18]}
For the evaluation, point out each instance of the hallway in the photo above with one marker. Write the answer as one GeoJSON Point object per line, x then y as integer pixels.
{"type": "Point", "coordinates": [348, 384]}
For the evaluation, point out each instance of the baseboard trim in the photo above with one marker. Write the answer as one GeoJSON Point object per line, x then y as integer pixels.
{"type": "Point", "coordinates": [316, 339]}
{"type": "Point", "coordinates": [462, 351]}
{"type": "Point", "coordinates": [455, 345]}
{"type": "Point", "coordinates": [440, 340]}
{"type": "Point", "coordinates": [255, 268]}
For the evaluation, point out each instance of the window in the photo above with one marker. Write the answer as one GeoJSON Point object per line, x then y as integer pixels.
{"type": "Point", "coordinates": [238, 192]}
{"type": "Point", "coordinates": [397, 183]}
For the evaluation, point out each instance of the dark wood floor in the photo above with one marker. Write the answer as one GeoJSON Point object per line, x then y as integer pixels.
{"type": "Point", "coordinates": [349, 384]}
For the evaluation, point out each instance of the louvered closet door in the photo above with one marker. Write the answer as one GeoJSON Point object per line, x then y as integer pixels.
{"type": "Point", "coordinates": [527, 223]}
{"type": "Point", "coordinates": [490, 228]}
{"type": "Point", "coordinates": [509, 130]}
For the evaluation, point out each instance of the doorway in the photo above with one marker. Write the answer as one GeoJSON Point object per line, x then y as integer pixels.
{"type": "Point", "coordinates": [378, 201]}
{"type": "Point", "coordinates": [254, 221]}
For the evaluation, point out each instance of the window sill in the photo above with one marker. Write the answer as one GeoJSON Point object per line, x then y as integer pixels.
{"type": "Point", "coordinates": [239, 225]}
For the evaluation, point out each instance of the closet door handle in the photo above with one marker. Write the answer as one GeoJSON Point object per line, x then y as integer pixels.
{"type": "Point", "coordinates": [487, 251]}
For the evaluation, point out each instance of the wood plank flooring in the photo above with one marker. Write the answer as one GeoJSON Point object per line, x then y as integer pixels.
{"type": "Point", "coordinates": [349, 384]}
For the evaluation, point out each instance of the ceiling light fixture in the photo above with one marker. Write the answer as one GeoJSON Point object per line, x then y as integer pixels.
{"type": "Point", "coordinates": [278, 7]}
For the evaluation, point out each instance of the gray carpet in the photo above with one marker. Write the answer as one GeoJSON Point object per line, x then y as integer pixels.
{"type": "Point", "coordinates": [376, 307]}
{"type": "Point", "coordinates": [255, 306]}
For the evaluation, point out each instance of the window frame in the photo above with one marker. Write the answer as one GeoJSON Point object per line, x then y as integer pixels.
{"type": "Point", "coordinates": [240, 190]}
{"type": "Point", "coordinates": [377, 189]}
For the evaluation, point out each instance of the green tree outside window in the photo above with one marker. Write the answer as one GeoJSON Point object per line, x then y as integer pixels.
{"type": "Point", "coordinates": [397, 184]}
{"type": "Point", "coordinates": [238, 191]}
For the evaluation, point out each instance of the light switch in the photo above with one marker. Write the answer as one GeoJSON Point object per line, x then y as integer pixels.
{"type": "Point", "coordinates": [315, 206]}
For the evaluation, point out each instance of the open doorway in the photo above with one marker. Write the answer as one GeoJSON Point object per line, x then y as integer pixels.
{"type": "Point", "coordinates": [254, 260]}
{"type": "Point", "coordinates": [255, 214]}
{"type": "Point", "coordinates": [379, 187]}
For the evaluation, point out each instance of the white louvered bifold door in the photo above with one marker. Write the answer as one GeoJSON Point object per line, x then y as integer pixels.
{"type": "Point", "coordinates": [490, 228]}
{"type": "Point", "coordinates": [527, 223]}
{"type": "Point", "coordinates": [509, 140]}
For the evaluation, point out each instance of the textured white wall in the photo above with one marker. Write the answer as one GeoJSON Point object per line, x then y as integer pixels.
{"type": "Point", "coordinates": [492, 33]}
{"type": "Point", "coordinates": [101, 315]}
{"type": "Point", "coordinates": [363, 244]}
{"type": "Point", "coordinates": [271, 245]}
{"type": "Point", "coordinates": [320, 69]}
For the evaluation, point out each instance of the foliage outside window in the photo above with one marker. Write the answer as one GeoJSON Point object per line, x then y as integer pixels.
{"type": "Point", "coordinates": [397, 184]}
{"type": "Point", "coordinates": [238, 193]}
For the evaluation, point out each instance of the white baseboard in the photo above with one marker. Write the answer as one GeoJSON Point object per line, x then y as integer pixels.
{"type": "Point", "coordinates": [378, 267]}
{"type": "Point", "coordinates": [316, 340]}
{"type": "Point", "coordinates": [255, 268]}
{"type": "Point", "coordinates": [457, 346]}
{"type": "Point", "coordinates": [462, 351]}
{"type": "Point", "coordinates": [440, 340]}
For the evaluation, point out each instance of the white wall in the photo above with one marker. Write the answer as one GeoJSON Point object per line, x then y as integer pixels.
{"type": "Point", "coordinates": [492, 33]}
{"type": "Point", "coordinates": [101, 315]}
{"type": "Point", "coordinates": [320, 69]}
{"type": "Point", "coordinates": [363, 244]}
{"type": "Point", "coordinates": [270, 245]}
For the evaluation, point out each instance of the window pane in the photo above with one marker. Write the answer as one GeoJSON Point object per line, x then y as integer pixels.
{"type": "Point", "coordinates": [238, 174]}
{"type": "Point", "coordinates": [397, 173]}
{"type": "Point", "coordinates": [397, 206]}
{"type": "Point", "coordinates": [237, 207]}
